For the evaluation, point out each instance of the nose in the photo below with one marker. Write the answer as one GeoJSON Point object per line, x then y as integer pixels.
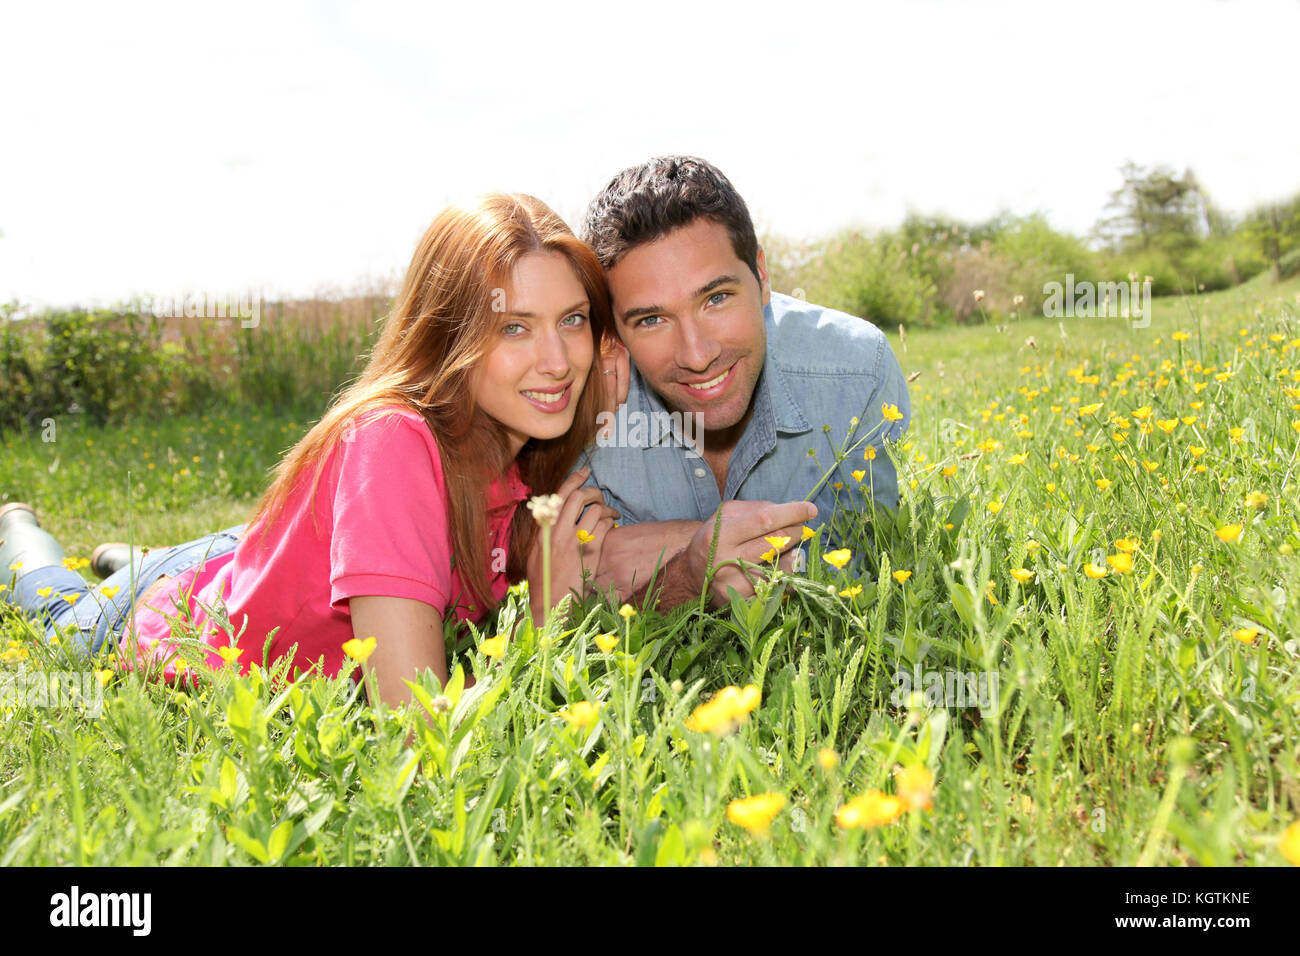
{"type": "Point", "coordinates": [696, 348]}
{"type": "Point", "coordinates": [553, 355]}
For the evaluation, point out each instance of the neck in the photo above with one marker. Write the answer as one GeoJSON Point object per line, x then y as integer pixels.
{"type": "Point", "coordinates": [722, 441]}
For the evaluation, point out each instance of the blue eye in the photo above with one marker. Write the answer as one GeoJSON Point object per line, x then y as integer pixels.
{"type": "Point", "coordinates": [718, 295]}
{"type": "Point", "coordinates": [577, 315]}
{"type": "Point", "coordinates": [641, 322]}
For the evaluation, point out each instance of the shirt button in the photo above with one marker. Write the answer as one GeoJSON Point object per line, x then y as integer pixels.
{"type": "Point", "coordinates": [700, 472]}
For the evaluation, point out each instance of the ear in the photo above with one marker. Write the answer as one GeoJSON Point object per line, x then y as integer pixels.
{"type": "Point", "coordinates": [765, 287]}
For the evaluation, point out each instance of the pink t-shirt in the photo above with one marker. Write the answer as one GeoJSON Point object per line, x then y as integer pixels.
{"type": "Point", "coordinates": [382, 509]}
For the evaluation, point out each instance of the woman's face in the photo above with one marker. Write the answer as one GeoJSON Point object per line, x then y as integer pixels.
{"type": "Point", "coordinates": [533, 376]}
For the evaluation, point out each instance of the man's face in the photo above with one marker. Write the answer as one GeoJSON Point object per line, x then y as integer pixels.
{"type": "Point", "coordinates": [691, 315]}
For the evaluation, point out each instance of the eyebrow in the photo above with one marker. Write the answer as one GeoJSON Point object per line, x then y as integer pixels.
{"type": "Point", "coordinates": [581, 306]}
{"type": "Point", "coordinates": [703, 290]}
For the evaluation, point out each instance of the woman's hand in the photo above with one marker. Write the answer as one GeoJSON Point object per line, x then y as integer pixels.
{"type": "Point", "coordinates": [584, 510]}
{"type": "Point", "coordinates": [614, 376]}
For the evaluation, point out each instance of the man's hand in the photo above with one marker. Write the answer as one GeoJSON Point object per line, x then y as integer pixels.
{"type": "Point", "coordinates": [745, 528]}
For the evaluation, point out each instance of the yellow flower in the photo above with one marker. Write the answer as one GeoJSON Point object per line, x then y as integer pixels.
{"type": "Point", "coordinates": [727, 708]}
{"type": "Point", "coordinates": [1094, 571]}
{"type": "Point", "coordinates": [872, 809]}
{"type": "Point", "coordinates": [109, 593]}
{"type": "Point", "coordinates": [1022, 574]}
{"type": "Point", "coordinates": [891, 413]}
{"type": "Point", "coordinates": [18, 565]}
{"type": "Point", "coordinates": [1256, 500]}
{"type": "Point", "coordinates": [494, 646]}
{"type": "Point", "coordinates": [777, 541]}
{"type": "Point", "coordinates": [768, 555]}
{"type": "Point", "coordinates": [870, 453]}
{"type": "Point", "coordinates": [1050, 486]}
{"type": "Point", "coordinates": [627, 612]}
{"type": "Point", "coordinates": [358, 649]}
{"type": "Point", "coordinates": [1289, 844]}
{"type": "Point", "coordinates": [859, 475]}
{"type": "Point", "coordinates": [1246, 635]}
{"type": "Point", "coordinates": [1150, 465]}
{"type": "Point", "coordinates": [949, 471]}
{"type": "Point", "coordinates": [1127, 545]}
{"type": "Point", "coordinates": [1123, 563]}
{"type": "Point", "coordinates": [1142, 413]}
{"type": "Point", "coordinates": [807, 532]}
{"type": "Point", "coordinates": [1195, 450]}
{"type": "Point", "coordinates": [582, 713]}
{"type": "Point", "coordinates": [851, 592]}
{"type": "Point", "coordinates": [229, 653]}
{"type": "Point", "coordinates": [1229, 533]}
{"type": "Point", "coordinates": [994, 506]}
{"type": "Point", "coordinates": [3, 588]}
{"type": "Point", "coordinates": [585, 537]}
{"type": "Point", "coordinates": [1091, 409]}
{"type": "Point", "coordinates": [1167, 425]}
{"type": "Point", "coordinates": [607, 642]}
{"type": "Point", "coordinates": [827, 759]}
{"type": "Point", "coordinates": [902, 576]}
{"type": "Point", "coordinates": [1032, 546]}
{"type": "Point", "coordinates": [1103, 483]}
{"type": "Point", "coordinates": [45, 592]}
{"type": "Point", "coordinates": [1019, 459]}
{"type": "Point", "coordinates": [70, 598]}
{"type": "Point", "coordinates": [838, 558]}
{"type": "Point", "coordinates": [755, 813]}
{"type": "Point", "coordinates": [1179, 336]}
{"type": "Point", "coordinates": [914, 786]}
{"type": "Point", "coordinates": [104, 676]}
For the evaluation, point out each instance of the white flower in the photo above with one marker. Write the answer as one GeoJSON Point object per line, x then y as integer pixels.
{"type": "Point", "coordinates": [979, 295]}
{"type": "Point", "coordinates": [545, 509]}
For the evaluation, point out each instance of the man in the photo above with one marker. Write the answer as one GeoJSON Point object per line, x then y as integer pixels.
{"type": "Point", "coordinates": [739, 400]}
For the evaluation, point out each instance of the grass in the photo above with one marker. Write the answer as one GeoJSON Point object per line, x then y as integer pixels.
{"type": "Point", "coordinates": [1145, 716]}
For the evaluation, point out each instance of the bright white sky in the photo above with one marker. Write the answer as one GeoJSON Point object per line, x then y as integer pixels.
{"type": "Point", "coordinates": [298, 148]}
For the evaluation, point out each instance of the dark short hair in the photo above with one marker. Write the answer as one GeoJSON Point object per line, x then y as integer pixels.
{"type": "Point", "coordinates": [644, 203]}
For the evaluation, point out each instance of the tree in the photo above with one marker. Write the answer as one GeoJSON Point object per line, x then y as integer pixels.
{"type": "Point", "coordinates": [1155, 208]}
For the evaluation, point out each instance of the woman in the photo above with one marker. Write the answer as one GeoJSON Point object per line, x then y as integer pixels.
{"type": "Point", "coordinates": [475, 392]}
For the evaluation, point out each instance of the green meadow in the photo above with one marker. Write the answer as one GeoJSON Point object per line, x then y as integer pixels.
{"type": "Point", "coordinates": [1075, 642]}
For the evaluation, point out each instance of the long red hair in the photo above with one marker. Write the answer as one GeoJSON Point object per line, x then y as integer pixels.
{"type": "Point", "coordinates": [442, 325]}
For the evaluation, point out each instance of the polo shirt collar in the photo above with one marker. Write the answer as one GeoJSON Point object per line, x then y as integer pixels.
{"type": "Point", "coordinates": [508, 489]}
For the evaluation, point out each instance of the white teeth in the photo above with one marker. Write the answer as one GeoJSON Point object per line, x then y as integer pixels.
{"type": "Point", "coordinates": [542, 397]}
{"type": "Point", "coordinates": [704, 385]}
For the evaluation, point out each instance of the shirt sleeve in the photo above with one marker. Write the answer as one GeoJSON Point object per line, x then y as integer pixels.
{"type": "Point", "coordinates": [627, 514]}
{"type": "Point", "coordinates": [391, 535]}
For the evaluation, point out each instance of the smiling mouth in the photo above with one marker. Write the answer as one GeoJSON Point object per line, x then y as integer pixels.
{"type": "Point", "coordinates": [711, 383]}
{"type": "Point", "coordinates": [547, 397]}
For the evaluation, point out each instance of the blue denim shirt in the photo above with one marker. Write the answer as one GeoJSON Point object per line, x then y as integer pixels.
{"type": "Point", "coordinates": [822, 368]}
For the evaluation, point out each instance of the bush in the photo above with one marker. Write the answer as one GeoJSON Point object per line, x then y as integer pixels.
{"type": "Point", "coordinates": [873, 277]}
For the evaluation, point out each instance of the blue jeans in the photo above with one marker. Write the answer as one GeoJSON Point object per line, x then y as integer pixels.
{"type": "Point", "coordinates": [97, 616]}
